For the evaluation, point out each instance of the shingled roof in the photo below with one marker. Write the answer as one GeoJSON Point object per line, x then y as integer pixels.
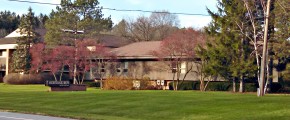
{"type": "Point", "coordinates": [138, 49]}
{"type": "Point", "coordinates": [10, 40]}
{"type": "Point", "coordinates": [12, 37]}
{"type": "Point", "coordinates": [112, 41]}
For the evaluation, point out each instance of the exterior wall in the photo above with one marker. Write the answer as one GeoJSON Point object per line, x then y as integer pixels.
{"type": "Point", "coordinates": [5, 60]}
{"type": "Point", "coordinates": [155, 70]}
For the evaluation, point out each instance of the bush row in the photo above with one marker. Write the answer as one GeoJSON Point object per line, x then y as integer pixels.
{"type": "Point", "coordinates": [227, 86]}
{"type": "Point", "coordinates": [92, 84]}
{"type": "Point", "coordinates": [215, 86]}
{"type": "Point", "coordinates": [121, 83]}
{"type": "Point", "coordinates": [16, 78]}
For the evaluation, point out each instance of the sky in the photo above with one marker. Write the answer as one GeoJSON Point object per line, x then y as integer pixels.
{"type": "Point", "coordinates": [174, 6]}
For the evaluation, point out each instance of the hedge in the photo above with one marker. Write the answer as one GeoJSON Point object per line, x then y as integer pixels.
{"type": "Point", "coordinates": [16, 78]}
{"type": "Point", "coordinates": [92, 84]}
{"type": "Point", "coordinates": [122, 83]}
{"type": "Point", "coordinates": [215, 86]}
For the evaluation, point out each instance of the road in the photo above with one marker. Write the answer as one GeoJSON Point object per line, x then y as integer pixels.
{"type": "Point", "coordinates": [20, 116]}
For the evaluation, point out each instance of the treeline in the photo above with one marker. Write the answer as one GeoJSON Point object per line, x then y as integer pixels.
{"type": "Point", "coordinates": [9, 21]}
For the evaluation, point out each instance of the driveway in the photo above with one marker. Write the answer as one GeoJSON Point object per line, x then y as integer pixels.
{"type": "Point", "coordinates": [20, 116]}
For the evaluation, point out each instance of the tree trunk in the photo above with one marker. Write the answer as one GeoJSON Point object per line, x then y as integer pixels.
{"type": "Point", "coordinates": [61, 72]}
{"type": "Point", "coordinates": [234, 84]}
{"type": "Point", "coordinates": [54, 77]}
{"type": "Point", "coordinates": [173, 83]}
{"type": "Point", "coordinates": [201, 86]}
{"type": "Point", "coordinates": [176, 85]}
{"type": "Point", "coordinates": [206, 85]}
{"type": "Point", "coordinates": [242, 85]}
{"type": "Point", "coordinates": [270, 74]}
{"type": "Point", "coordinates": [101, 83]}
{"type": "Point", "coordinates": [264, 56]}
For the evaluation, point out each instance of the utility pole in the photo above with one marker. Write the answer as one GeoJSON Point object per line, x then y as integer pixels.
{"type": "Point", "coordinates": [265, 47]}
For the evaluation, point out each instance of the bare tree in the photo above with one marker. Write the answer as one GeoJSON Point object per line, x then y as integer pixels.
{"type": "Point", "coordinates": [155, 27]}
{"type": "Point", "coordinates": [164, 22]}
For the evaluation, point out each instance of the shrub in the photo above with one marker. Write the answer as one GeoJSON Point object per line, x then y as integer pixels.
{"type": "Point", "coordinates": [276, 87]}
{"type": "Point", "coordinates": [118, 83]}
{"type": "Point", "coordinates": [194, 85]}
{"type": "Point", "coordinates": [186, 85]}
{"type": "Point", "coordinates": [92, 84]}
{"type": "Point", "coordinates": [218, 86]}
{"type": "Point", "coordinates": [214, 86]}
{"type": "Point", "coordinates": [251, 87]}
{"type": "Point", "coordinates": [121, 83]}
{"type": "Point", "coordinates": [16, 78]}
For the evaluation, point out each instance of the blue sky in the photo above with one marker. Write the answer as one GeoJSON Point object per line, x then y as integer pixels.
{"type": "Point", "coordinates": [177, 6]}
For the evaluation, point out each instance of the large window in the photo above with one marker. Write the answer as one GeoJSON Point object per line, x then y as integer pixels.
{"type": "Point", "coordinates": [182, 67]}
{"type": "Point", "coordinates": [122, 67]}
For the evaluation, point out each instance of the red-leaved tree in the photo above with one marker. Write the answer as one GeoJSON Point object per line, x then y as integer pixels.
{"type": "Point", "coordinates": [81, 59]}
{"type": "Point", "coordinates": [178, 52]}
{"type": "Point", "coordinates": [37, 51]}
{"type": "Point", "coordinates": [51, 59]}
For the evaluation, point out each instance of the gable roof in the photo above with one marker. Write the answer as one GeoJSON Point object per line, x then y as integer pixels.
{"type": "Point", "coordinates": [138, 49]}
{"type": "Point", "coordinates": [12, 37]}
{"type": "Point", "coordinates": [9, 40]}
{"type": "Point", "coordinates": [107, 40]}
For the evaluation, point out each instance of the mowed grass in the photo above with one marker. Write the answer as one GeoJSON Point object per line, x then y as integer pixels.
{"type": "Point", "coordinates": [96, 104]}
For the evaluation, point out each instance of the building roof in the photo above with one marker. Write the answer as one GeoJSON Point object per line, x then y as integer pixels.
{"type": "Point", "coordinates": [112, 41]}
{"type": "Point", "coordinates": [12, 37]}
{"type": "Point", "coordinates": [9, 40]}
{"type": "Point", "coordinates": [138, 50]}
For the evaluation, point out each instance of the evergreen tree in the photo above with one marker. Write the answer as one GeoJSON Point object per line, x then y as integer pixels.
{"type": "Point", "coordinates": [9, 21]}
{"type": "Point", "coordinates": [229, 52]}
{"type": "Point", "coordinates": [71, 18]}
{"type": "Point", "coordinates": [21, 56]}
{"type": "Point", "coordinates": [281, 40]}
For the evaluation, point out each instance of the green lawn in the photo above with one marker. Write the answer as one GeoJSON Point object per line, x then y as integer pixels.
{"type": "Point", "coordinates": [152, 105]}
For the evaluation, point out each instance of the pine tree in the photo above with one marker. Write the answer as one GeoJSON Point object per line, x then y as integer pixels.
{"type": "Point", "coordinates": [70, 17]}
{"type": "Point", "coordinates": [281, 41]}
{"type": "Point", "coordinates": [228, 53]}
{"type": "Point", "coordinates": [21, 57]}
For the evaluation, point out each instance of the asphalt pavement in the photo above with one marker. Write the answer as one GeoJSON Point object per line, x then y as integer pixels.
{"type": "Point", "coordinates": [20, 116]}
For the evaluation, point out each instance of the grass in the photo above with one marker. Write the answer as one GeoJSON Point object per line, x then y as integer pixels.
{"type": "Point", "coordinates": [96, 104]}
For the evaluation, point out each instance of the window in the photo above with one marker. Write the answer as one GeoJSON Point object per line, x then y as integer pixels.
{"type": "Point", "coordinates": [122, 67]}
{"type": "Point", "coordinates": [103, 68]}
{"type": "Point", "coordinates": [173, 67]}
{"type": "Point", "coordinates": [183, 67]}
{"type": "Point", "coordinates": [118, 66]}
{"type": "Point", "coordinates": [125, 67]}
